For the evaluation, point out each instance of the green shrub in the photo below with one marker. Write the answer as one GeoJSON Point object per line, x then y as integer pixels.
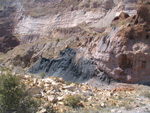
{"type": "Point", "coordinates": [77, 83]}
{"type": "Point", "coordinates": [42, 75]}
{"type": "Point", "coordinates": [113, 25]}
{"type": "Point", "coordinates": [73, 101]}
{"type": "Point", "coordinates": [123, 22]}
{"type": "Point", "coordinates": [68, 83]}
{"type": "Point", "coordinates": [57, 40]}
{"type": "Point", "coordinates": [13, 97]}
{"type": "Point", "coordinates": [126, 104]}
{"type": "Point", "coordinates": [94, 33]}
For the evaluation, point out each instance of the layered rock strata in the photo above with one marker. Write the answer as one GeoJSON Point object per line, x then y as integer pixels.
{"type": "Point", "coordinates": [125, 54]}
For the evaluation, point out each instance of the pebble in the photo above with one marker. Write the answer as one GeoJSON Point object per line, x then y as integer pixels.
{"type": "Point", "coordinates": [46, 105]}
{"type": "Point", "coordinates": [51, 98]}
{"type": "Point", "coordinates": [102, 104]}
{"type": "Point", "coordinates": [113, 111]}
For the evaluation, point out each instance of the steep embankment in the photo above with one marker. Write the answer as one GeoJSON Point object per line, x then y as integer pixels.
{"type": "Point", "coordinates": [125, 54]}
{"type": "Point", "coordinates": [85, 14]}
{"type": "Point", "coordinates": [81, 28]}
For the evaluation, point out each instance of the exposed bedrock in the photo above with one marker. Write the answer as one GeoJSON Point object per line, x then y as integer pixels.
{"type": "Point", "coordinates": [125, 55]}
{"type": "Point", "coordinates": [7, 40]}
{"type": "Point", "coordinates": [8, 43]}
{"type": "Point", "coordinates": [66, 67]}
{"type": "Point", "coordinates": [95, 13]}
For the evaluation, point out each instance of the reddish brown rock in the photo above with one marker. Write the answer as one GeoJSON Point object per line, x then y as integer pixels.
{"type": "Point", "coordinates": [143, 12]}
{"type": "Point", "coordinates": [7, 43]}
{"type": "Point", "coordinates": [124, 54]}
{"type": "Point", "coordinates": [7, 40]}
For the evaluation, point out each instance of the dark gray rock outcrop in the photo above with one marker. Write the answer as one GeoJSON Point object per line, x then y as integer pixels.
{"type": "Point", "coordinates": [66, 67]}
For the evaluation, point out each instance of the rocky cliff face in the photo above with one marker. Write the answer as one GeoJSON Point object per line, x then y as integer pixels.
{"type": "Point", "coordinates": [7, 20]}
{"type": "Point", "coordinates": [37, 19]}
{"type": "Point", "coordinates": [124, 52]}
{"type": "Point", "coordinates": [119, 48]}
{"type": "Point", "coordinates": [94, 13]}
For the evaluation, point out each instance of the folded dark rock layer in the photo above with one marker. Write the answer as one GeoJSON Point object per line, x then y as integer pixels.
{"type": "Point", "coordinates": [66, 67]}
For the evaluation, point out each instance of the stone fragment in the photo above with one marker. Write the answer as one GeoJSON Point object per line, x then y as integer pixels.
{"type": "Point", "coordinates": [70, 88]}
{"type": "Point", "coordinates": [61, 103]}
{"type": "Point", "coordinates": [60, 98]}
{"type": "Point", "coordinates": [46, 105]}
{"type": "Point", "coordinates": [103, 105]}
{"type": "Point", "coordinates": [42, 111]}
{"type": "Point", "coordinates": [113, 111]}
{"type": "Point", "coordinates": [61, 80]}
{"type": "Point", "coordinates": [51, 98]}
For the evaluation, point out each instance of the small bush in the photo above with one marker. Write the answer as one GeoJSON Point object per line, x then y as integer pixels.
{"type": "Point", "coordinates": [73, 101]}
{"type": "Point", "coordinates": [42, 75]}
{"type": "Point", "coordinates": [126, 105]}
{"type": "Point", "coordinates": [113, 25]}
{"type": "Point", "coordinates": [94, 33]}
{"type": "Point", "coordinates": [123, 22]}
{"type": "Point", "coordinates": [77, 83]}
{"type": "Point", "coordinates": [68, 83]}
{"type": "Point", "coordinates": [13, 97]}
{"type": "Point", "coordinates": [57, 40]}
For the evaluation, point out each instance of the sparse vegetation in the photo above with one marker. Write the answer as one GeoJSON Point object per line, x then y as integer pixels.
{"type": "Point", "coordinates": [73, 101]}
{"type": "Point", "coordinates": [68, 82]}
{"type": "Point", "coordinates": [94, 33]}
{"type": "Point", "coordinates": [42, 75]}
{"type": "Point", "coordinates": [89, 0]}
{"type": "Point", "coordinates": [113, 25]}
{"type": "Point", "coordinates": [41, 10]}
{"type": "Point", "coordinates": [2, 57]}
{"type": "Point", "coordinates": [57, 40]}
{"type": "Point", "coordinates": [123, 22]}
{"type": "Point", "coordinates": [17, 36]}
{"type": "Point", "coordinates": [13, 96]}
{"type": "Point", "coordinates": [77, 83]}
{"type": "Point", "coordinates": [126, 104]}
{"type": "Point", "coordinates": [146, 94]}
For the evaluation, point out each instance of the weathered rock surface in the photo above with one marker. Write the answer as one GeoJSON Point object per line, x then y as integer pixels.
{"type": "Point", "coordinates": [124, 52]}
{"type": "Point", "coordinates": [66, 67]}
{"type": "Point", "coordinates": [57, 15]}
{"type": "Point", "coordinates": [7, 40]}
